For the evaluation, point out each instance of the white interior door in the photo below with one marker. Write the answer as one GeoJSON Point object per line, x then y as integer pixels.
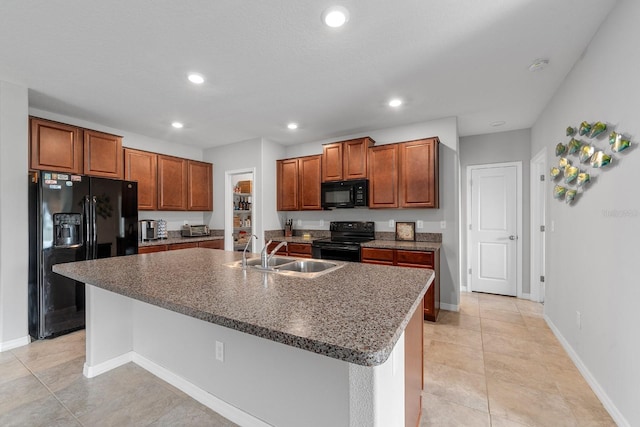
{"type": "Point", "coordinates": [493, 229]}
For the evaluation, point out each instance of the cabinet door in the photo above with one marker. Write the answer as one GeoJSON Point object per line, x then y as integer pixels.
{"type": "Point", "coordinates": [200, 186]}
{"type": "Point", "coordinates": [151, 249]}
{"type": "Point", "coordinates": [172, 183]}
{"type": "Point", "coordinates": [332, 162]}
{"type": "Point", "coordinates": [282, 251]}
{"type": "Point", "coordinates": [383, 176]}
{"type": "Point", "coordinates": [186, 245]}
{"type": "Point", "coordinates": [309, 169]}
{"type": "Point", "coordinates": [418, 259]}
{"type": "Point", "coordinates": [55, 146]}
{"type": "Point", "coordinates": [354, 158]}
{"type": "Point", "coordinates": [419, 174]}
{"type": "Point", "coordinates": [103, 155]}
{"type": "Point", "coordinates": [377, 256]}
{"type": "Point", "coordinates": [142, 166]}
{"type": "Point", "coordinates": [287, 184]}
{"type": "Point", "coordinates": [302, 250]}
{"type": "Point", "coordinates": [212, 244]}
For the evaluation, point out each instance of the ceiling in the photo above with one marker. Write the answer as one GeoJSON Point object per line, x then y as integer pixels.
{"type": "Point", "coordinates": [123, 63]}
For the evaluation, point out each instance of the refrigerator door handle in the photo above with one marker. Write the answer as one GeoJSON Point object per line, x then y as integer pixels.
{"type": "Point", "coordinates": [94, 234]}
{"type": "Point", "coordinates": [87, 227]}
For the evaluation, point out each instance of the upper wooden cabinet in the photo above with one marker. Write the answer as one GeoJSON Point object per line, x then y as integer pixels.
{"type": "Point", "coordinates": [142, 166]}
{"type": "Point", "coordinates": [345, 160]}
{"type": "Point", "coordinates": [404, 175]}
{"type": "Point", "coordinates": [103, 155]}
{"type": "Point", "coordinates": [383, 176]}
{"type": "Point", "coordinates": [298, 183]}
{"type": "Point", "coordinates": [55, 146]}
{"type": "Point", "coordinates": [419, 174]}
{"type": "Point", "coordinates": [200, 187]}
{"type": "Point", "coordinates": [287, 184]}
{"type": "Point", "coordinates": [172, 183]}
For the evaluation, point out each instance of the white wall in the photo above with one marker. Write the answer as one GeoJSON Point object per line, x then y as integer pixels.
{"type": "Point", "coordinates": [446, 130]}
{"type": "Point", "coordinates": [593, 253]}
{"type": "Point", "coordinates": [14, 226]}
{"type": "Point", "coordinates": [500, 147]}
{"type": "Point", "coordinates": [175, 219]}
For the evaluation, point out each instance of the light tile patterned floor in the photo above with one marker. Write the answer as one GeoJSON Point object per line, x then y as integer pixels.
{"type": "Point", "coordinates": [497, 363]}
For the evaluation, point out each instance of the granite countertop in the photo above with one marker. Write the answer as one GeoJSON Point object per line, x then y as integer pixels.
{"type": "Point", "coordinates": [172, 240]}
{"type": "Point", "coordinates": [398, 244]}
{"type": "Point", "coordinates": [385, 244]}
{"type": "Point", "coordinates": [355, 314]}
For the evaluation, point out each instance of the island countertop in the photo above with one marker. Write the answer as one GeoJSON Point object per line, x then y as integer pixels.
{"type": "Point", "coordinates": [356, 313]}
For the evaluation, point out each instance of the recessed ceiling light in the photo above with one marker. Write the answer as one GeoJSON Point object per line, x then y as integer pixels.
{"type": "Point", "coordinates": [539, 64]}
{"type": "Point", "coordinates": [335, 16]}
{"type": "Point", "coordinates": [196, 78]}
{"type": "Point", "coordinates": [292, 126]}
{"type": "Point", "coordinates": [177, 125]}
{"type": "Point", "coordinates": [395, 102]}
{"type": "Point", "coordinates": [498, 123]}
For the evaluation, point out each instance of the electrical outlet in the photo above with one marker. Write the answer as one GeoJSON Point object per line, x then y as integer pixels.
{"type": "Point", "coordinates": [420, 224]}
{"type": "Point", "coordinates": [578, 320]}
{"type": "Point", "coordinates": [392, 223]}
{"type": "Point", "coordinates": [299, 223]}
{"type": "Point", "coordinates": [185, 223]}
{"type": "Point", "coordinates": [553, 226]}
{"type": "Point", "coordinates": [443, 224]}
{"type": "Point", "coordinates": [220, 351]}
{"type": "Point", "coordinates": [322, 223]}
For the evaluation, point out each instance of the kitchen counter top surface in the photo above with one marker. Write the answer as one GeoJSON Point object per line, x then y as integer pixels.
{"type": "Point", "coordinates": [398, 244]}
{"type": "Point", "coordinates": [172, 240]}
{"type": "Point", "coordinates": [383, 244]}
{"type": "Point", "coordinates": [355, 314]}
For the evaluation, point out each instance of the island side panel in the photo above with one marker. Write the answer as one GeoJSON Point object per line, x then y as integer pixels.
{"type": "Point", "coordinates": [109, 331]}
{"type": "Point", "coordinates": [278, 384]}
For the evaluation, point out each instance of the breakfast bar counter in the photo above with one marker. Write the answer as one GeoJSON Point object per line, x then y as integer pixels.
{"type": "Point", "coordinates": [260, 348]}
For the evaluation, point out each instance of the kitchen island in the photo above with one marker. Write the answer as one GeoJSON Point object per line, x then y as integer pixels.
{"type": "Point", "coordinates": [259, 348]}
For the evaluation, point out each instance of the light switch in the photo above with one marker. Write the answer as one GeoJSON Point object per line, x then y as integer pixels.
{"type": "Point", "coordinates": [420, 224]}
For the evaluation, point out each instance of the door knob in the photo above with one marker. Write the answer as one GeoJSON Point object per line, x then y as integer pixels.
{"type": "Point", "coordinates": [512, 237]}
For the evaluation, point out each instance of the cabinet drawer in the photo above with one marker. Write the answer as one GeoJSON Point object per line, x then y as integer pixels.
{"type": "Point", "coordinates": [182, 246]}
{"type": "Point", "coordinates": [212, 244]}
{"type": "Point", "coordinates": [151, 249]}
{"type": "Point", "coordinates": [377, 256]}
{"type": "Point", "coordinates": [300, 249]}
{"type": "Point", "coordinates": [414, 258]}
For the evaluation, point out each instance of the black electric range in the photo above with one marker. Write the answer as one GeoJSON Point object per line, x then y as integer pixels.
{"type": "Point", "coordinates": [345, 241]}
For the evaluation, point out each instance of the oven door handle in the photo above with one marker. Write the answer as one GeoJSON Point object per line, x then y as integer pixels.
{"type": "Point", "coordinates": [340, 248]}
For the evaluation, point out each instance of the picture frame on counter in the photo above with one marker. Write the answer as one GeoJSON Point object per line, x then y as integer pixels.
{"type": "Point", "coordinates": [406, 231]}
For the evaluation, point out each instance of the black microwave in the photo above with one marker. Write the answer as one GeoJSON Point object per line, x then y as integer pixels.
{"type": "Point", "coordinates": [345, 194]}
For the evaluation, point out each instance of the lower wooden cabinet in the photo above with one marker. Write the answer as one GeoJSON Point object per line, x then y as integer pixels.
{"type": "Point", "coordinates": [415, 259]}
{"type": "Point", "coordinates": [209, 244]}
{"type": "Point", "coordinates": [299, 250]}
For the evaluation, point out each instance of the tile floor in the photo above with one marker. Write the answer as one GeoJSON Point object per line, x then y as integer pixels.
{"type": "Point", "coordinates": [495, 363]}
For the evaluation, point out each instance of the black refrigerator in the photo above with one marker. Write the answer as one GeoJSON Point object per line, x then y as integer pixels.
{"type": "Point", "coordinates": [73, 218]}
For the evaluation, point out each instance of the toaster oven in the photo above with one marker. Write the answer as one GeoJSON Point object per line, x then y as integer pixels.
{"type": "Point", "coordinates": [195, 230]}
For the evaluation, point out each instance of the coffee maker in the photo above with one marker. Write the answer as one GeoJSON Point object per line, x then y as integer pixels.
{"type": "Point", "coordinates": [148, 230]}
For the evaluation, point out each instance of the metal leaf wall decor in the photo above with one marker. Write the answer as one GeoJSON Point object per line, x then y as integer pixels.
{"type": "Point", "coordinates": [571, 176]}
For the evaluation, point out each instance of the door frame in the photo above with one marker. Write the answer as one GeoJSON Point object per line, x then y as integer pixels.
{"type": "Point", "coordinates": [538, 205]}
{"type": "Point", "coordinates": [228, 208]}
{"type": "Point", "coordinates": [518, 166]}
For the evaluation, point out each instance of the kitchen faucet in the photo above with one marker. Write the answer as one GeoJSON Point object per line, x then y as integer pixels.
{"type": "Point", "coordinates": [244, 253]}
{"type": "Point", "coordinates": [264, 258]}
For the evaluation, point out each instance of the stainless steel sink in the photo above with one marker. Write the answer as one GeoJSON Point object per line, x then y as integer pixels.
{"type": "Point", "coordinates": [305, 268]}
{"type": "Point", "coordinates": [273, 262]}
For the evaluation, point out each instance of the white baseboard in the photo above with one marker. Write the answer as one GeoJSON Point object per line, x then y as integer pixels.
{"type": "Point", "coordinates": [449, 307]}
{"type": "Point", "coordinates": [101, 368]}
{"type": "Point", "coordinates": [18, 342]}
{"type": "Point", "coordinates": [220, 406]}
{"type": "Point", "coordinates": [617, 416]}
{"type": "Point", "coordinates": [525, 296]}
